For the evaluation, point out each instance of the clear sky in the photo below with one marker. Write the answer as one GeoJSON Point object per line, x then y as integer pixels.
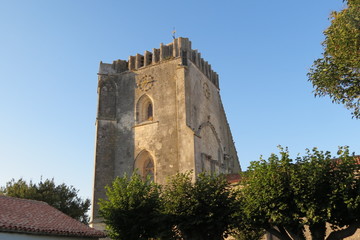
{"type": "Point", "coordinates": [50, 52]}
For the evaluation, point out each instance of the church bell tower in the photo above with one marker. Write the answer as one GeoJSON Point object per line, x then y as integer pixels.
{"type": "Point", "coordinates": [160, 113]}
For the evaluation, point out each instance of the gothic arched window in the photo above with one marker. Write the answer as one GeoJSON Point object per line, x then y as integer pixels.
{"type": "Point", "coordinates": [144, 109]}
{"type": "Point", "coordinates": [145, 166]}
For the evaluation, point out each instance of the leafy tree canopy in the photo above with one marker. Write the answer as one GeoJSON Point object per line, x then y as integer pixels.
{"type": "Point", "coordinates": [204, 209]}
{"type": "Point", "coordinates": [132, 210]}
{"type": "Point", "coordinates": [282, 195]}
{"type": "Point", "coordinates": [62, 197]}
{"type": "Point", "coordinates": [337, 73]}
{"type": "Point", "coordinates": [140, 209]}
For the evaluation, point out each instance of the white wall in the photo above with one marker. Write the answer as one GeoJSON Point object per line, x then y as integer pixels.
{"type": "Point", "coordinates": [17, 236]}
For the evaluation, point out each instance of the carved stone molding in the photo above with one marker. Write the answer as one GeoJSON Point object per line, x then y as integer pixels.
{"type": "Point", "coordinates": [145, 82]}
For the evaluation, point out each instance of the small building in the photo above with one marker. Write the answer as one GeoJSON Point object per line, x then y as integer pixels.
{"type": "Point", "coordinates": [22, 219]}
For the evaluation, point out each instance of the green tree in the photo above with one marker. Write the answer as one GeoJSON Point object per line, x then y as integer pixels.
{"type": "Point", "coordinates": [132, 210]}
{"type": "Point", "coordinates": [327, 191]}
{"type": "Point", "coordinates": [337, 73]}
{"type": "Point", "coordinates": [200, 210]}
{"type": "Point", "coordinates": [282, 196]}
{"type": "Point", "coordinates": [266, 196]}
{"type": "Point", "coordinates": [62, 197]}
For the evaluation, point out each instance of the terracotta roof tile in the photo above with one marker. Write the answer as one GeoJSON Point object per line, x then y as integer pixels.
{"type": "Point", "coordinates": [35, 217]}
{"type": "Point", "coordinates": [233, 178]}
{"type": "Point", "coordinates": [357, 158]}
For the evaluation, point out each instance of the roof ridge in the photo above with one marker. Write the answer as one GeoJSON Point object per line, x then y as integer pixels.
{"type": "Point", "coordinates": [25, 199]}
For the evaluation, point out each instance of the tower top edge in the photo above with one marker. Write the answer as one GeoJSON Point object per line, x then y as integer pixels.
{"type": "Point", "coordinates": [179, 48]}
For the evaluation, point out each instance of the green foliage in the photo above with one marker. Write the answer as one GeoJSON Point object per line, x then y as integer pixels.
{"type": "Point", "coordinates": [62, 197]}
{"type": "Point", "coordinates": [279, 195]}
{"type": "Point", "coordinates": [282, 195]}
{"type": "Point", "coordinates": [267, 196]}
{"type": "Point", "coordinates": [201, 210]}
{"type": "Point", "coordinates": [132, 210]}
{"type": "Point", "coordinates": [337, 73]}
{"type": "Point", "coordinates": [138, 209]}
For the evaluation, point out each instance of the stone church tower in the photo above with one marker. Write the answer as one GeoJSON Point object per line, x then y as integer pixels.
{"type": "Point", "coordinates": [160, 113]}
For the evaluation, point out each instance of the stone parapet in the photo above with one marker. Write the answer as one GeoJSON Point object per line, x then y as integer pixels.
{"type": "Point", "coordinates": [179, 48]}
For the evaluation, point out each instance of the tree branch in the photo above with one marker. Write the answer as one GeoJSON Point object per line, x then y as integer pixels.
{"type": "Point", "coordinates": [278, 233]}
{"type": "Point", "coordinates": [343, 233]}
{"type": "Point", "coordinates": [294, 236]}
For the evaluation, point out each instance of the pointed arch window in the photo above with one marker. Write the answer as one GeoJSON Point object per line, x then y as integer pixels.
{"type": "Point", "coordinates": [144, 109]}
{"type": "Point", "coordinates": [145, 165]}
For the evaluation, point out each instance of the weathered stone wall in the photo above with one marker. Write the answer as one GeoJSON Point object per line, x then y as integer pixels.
{"type": "Point", "coordinates": [214, 147]}
{"type": "Point", "coordinates": [160, 135]}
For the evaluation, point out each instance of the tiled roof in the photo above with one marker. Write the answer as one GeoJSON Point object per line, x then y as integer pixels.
{"type": "Point", "coordinates": [357, 159]}
{"type": "Point", "coordinates": [35, 217]}
{"type": "Point", "coordinates": [233, 178]}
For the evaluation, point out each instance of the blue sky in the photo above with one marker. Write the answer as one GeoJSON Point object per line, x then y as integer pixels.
{"type": "Point", "coordinates": [50, 53]}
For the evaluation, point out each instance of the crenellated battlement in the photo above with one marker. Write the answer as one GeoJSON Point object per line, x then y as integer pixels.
{"type": "Point", "coordinates": [179, 48]}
